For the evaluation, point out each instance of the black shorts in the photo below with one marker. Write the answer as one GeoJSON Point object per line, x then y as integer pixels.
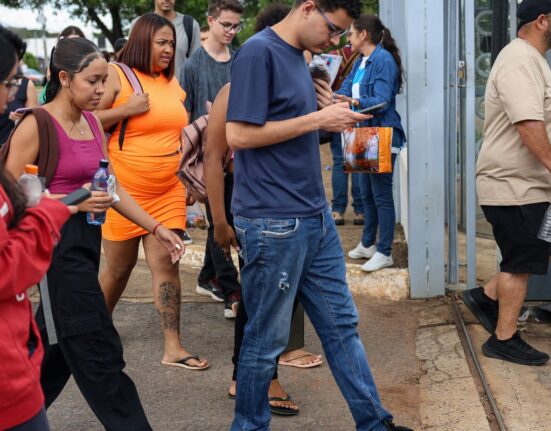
{"type": "Point", "coordinates": [516, 233]}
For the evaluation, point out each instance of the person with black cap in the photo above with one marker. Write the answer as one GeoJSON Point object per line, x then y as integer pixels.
{"type": "Point", "coordinates": [513, 180]}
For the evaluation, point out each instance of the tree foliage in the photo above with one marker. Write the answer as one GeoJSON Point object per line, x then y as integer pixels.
{"type": "Point", "coordinates": [122, 12]}
{"type": "Point", "coordinates": [31, 61]}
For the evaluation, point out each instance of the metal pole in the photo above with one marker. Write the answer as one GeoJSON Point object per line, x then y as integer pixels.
{"type": "Point", "coordinates": [451, 121]}
{"type": "Point", "coordinates": [470, 143]}
{"type": "Point", "coordinates": [424, 22]}
{"type": "Point", "coordinates": [42, 21]}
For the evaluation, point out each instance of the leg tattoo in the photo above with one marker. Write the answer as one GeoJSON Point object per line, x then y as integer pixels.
{"type": "Point", "coordinates": [169, 306]}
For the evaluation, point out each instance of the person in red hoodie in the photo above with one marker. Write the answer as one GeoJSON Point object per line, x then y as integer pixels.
{"type": "Point", "coordinates": [27, 239]}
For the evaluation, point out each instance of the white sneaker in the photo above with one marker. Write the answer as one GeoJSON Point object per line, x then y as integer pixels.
{"type": "Point", "coordinates": [186, 239]}
{"type": "Point", "coordinates": [361, 252]}
{"type": "Point", "coordinates": [378, 261]}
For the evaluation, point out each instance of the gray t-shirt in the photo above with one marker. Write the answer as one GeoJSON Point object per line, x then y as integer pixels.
{"type": "Point", "coordinates": [182, 44]}
{"type": "Point", "coordinates": [203, 78]}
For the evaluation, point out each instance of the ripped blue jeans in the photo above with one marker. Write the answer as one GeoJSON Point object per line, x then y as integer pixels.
{"type": "Point", "coordinates": [284, 258]}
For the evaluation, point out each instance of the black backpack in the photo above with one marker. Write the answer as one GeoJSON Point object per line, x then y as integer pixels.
{"type": "Point", "coordinates": [188, 27]}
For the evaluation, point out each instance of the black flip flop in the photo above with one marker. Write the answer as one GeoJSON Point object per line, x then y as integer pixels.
{"type": "Point", "coordinates": [283, 411]}
{"type": "Point", "coordinates": [184, 363]}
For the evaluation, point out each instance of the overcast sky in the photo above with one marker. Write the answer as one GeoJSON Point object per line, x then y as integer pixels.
{"type": "Point", "coordinates": [55, 20]}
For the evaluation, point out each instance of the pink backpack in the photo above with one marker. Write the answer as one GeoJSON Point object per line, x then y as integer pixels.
{"type": "Point", "coordinates": [191, 169]}
{"type": "Point", "coordinates": [137, 88]}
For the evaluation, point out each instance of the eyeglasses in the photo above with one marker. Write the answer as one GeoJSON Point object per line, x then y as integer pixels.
{"type": "Point", "coordinates": [229, 27]}
{"type": "Point", "coordinates": [335, 30]}
{"type": "Point", "coordinates": [12, 85]}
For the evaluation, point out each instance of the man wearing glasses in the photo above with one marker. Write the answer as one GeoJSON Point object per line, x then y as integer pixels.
{"type": "Point", "coordinates": [205, 73]}
{"type": "Point", "coordinates": [208, 69]}
{"type": "Point", "coordinates": [288, 239]}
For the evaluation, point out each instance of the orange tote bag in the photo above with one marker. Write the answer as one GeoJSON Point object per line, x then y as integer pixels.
{"type": "Point", "coordinates": [367, 150]}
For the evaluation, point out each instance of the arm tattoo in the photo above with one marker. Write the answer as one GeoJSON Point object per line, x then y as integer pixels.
{"type": "Point", "coordinates": [169, 306]}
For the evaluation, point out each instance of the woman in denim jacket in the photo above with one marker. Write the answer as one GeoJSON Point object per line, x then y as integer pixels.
{"type": "Point", "coordinates": [375, 78]}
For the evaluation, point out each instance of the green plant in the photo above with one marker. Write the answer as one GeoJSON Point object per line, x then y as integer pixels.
{"type": "Point", "coordinates": [31, 61]}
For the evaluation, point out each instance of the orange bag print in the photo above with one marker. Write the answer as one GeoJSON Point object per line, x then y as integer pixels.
{"type": "Point", "coordinates": [367, 150]}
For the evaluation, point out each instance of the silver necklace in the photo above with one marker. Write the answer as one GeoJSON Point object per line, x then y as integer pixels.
{"type": "Point", "coordinates": [74, 126]}
{"type": "Point", "coordinates": [81, 131]}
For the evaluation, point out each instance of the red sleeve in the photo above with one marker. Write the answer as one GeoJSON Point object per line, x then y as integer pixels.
{"type": "Point", "coordinates": [26, 250]}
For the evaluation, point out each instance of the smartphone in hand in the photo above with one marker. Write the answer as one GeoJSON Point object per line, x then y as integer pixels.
{"type": "Point", "coordinates": [373, 108]}
{"type": "Point", "coordinates": [76, 197]}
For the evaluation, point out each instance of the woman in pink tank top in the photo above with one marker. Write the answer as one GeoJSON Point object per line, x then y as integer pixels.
{"type": "Point", "coordinates": [88, 345]}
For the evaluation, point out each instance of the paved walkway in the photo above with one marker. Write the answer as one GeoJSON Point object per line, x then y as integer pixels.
{"type": "Point", "coordinates": [413, 347]}
{"type": "Point", "coordinates": [176, 399]}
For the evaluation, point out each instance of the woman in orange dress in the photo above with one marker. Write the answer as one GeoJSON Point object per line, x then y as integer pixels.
{"type": "Point", "coordinates": [145, 165]}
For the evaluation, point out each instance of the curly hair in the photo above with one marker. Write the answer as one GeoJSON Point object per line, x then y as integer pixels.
{"type": "Point", "coordinates": [217, 6]}
{"type": "Point", "coordinates": [352, 7]}
{"type": "Point", "coordinates": [270, 16]}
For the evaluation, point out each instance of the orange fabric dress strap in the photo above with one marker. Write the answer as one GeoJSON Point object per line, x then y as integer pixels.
{"type": "Point", "coordinates": [147, 164]}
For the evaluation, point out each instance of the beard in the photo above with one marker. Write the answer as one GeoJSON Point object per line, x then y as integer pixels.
{"type": "Point", "coordinates": [547, 36]}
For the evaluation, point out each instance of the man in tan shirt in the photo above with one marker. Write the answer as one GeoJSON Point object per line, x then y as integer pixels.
{"type": "Point", "coordinates": [513, 180]}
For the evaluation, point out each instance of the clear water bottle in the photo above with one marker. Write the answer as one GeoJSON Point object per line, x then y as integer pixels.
{"type": "Point", "coordinates": [545, 227]}
{"type": "Point", "coordinates": [32, 185]}
{"type": "Point", "coordinates": [99, 183]}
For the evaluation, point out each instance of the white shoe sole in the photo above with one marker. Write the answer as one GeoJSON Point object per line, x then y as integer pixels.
{"type": "Point", "coordinates": [353, 255]}
{"type": "Point", "coordinates": [377, 268]}
{"type": "Point", "coordinates": [202, 291]}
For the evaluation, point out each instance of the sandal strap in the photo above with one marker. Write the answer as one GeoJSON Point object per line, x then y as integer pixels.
{"type": "Point", "coordinates": [280, 399]}
{"type": "Point", "coordinates": [303, 356]}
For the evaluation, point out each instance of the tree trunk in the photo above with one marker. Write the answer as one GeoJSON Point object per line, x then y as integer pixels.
{"type": "Point", "coordinates": [111, 34]}
{"type": "Point", "coordinates": [117, 31]}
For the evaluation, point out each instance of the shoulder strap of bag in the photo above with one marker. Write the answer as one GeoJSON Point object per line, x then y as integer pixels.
{"type": "Point", "coordinates": [137, 88]}
{"type": "Point", "coordinates": [48, 150]}
{"type": "Point", "coordinates": [188, 27]}
{"type": "Point", "coordinates": [348, 64]}
{"type": "Point", "coordinates": [131, 78]}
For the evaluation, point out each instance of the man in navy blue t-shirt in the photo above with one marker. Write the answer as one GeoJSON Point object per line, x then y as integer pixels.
{"type": "Point", "coordinates": [288, 239]}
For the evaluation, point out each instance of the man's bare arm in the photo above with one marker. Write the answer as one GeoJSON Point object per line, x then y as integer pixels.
{"type": "Point", "coordinates": [334, 118]}
{"type": "Point", "coordinates": [534, 136]}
